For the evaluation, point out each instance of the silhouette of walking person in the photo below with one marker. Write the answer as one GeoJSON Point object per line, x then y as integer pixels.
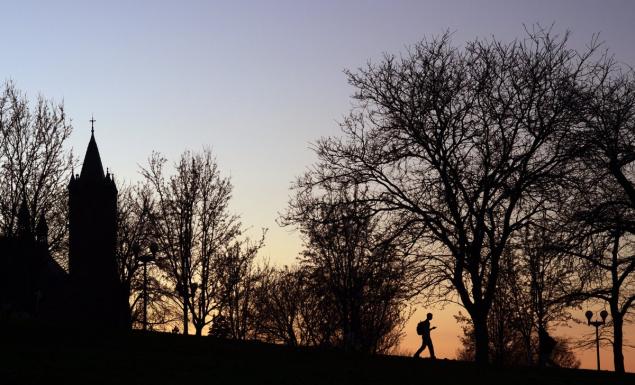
{"type": "Point", "coordinates": [423, 329]}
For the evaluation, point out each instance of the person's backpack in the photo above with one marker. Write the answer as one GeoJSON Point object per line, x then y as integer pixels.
{"type": "Point", "coordinates": [420, 328]}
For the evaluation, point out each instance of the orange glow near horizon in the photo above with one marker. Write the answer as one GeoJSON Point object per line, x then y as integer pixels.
{"type": "Point", "coordinates": [446, 339]}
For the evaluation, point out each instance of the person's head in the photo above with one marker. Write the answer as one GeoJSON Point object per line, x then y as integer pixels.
{"type": "Point", "coordinates": [429, 316]}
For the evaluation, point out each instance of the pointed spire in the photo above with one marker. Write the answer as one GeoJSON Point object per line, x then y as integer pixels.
{"type": "Point", "coordinates": [24, 221]}
{"type": "Point", "coordinates": [92, 167]}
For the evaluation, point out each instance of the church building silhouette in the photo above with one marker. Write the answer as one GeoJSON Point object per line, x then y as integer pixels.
{"type": "Point", "coordinates": [92, 223]}
{"type": "Point", "coordinates": [90, 294]}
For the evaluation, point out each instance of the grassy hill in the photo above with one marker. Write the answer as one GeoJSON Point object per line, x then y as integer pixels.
{"type": "Point", "coordinates": [39, 356]}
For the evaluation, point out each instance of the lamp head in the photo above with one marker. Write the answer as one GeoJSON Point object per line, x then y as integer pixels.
{"type": "Point", "coordinates": [154, 247]}
{"type": "Point", "coordinates": [604, 314]}
{"type": "Point", "coordinates": [588, 316]}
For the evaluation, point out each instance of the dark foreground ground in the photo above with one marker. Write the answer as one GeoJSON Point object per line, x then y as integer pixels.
{"type": "Point", "coordinates": [37, 356]}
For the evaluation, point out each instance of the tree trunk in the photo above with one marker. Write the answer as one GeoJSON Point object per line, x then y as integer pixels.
{"type": "Point", "coordinates": [185, 317]}
{"type": "Point", "coordinates": [199, 329]}
{"type": "Point", "coordinates": [618, 337]}
{"type": "Point", "coordinates": [481, 339]}
{"type": "Point", "coordinates": [618, 321]}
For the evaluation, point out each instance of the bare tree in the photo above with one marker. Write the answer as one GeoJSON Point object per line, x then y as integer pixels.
{"type": "Point", "coordinates": [218, 229]}
{"type": "Point", "coordinates": [358, 261]}
{"type": "Point", "coordinates": [506, 346]}
{"type": "Point", "coordinates": [604, 145]}
{"type": "Point", "coordinates": [600, 217]}
{"type": "Point", "coordinates": [290, 306]}
{"type": "Point", "coordinates": [457, 142]}
{"type": "Point", "coordinates": [536, 280]}
{"type": "Point", "coordinates": [238, 282]}
{"type": "Point", "coordinates": [607, 251]}
{"type": "Point", "coordinates": [299, 313]}
{"type": "Point", "coordinates": [619, 289]}
{"type": "Point", "coordinates": [193, 228]}
{"type": "Point", "coordinates": [134, 235]}
{"type": "Point", "coordinates": [34, 164]}
{"type": "Point", "coordinates": [277, 305]}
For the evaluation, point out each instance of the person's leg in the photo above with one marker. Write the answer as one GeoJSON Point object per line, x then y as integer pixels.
{"type": "Point", "coordinates": [431, 348]}
{"type": "Point", "coordinates": [421, 349]}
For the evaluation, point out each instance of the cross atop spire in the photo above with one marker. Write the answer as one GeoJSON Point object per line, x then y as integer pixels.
{"type": "Point", "coordinates": [92, 124]}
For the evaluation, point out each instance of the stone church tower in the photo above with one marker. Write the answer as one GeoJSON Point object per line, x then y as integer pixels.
{"type": "Point", "coordinates": [94, 278]}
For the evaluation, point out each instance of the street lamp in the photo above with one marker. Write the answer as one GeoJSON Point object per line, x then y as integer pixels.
{"type": "Point", "coordinates": [597, 324]}
{"type": "Point", "coordinates": [145, 258]}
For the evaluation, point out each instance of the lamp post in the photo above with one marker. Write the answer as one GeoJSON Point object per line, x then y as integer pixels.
{"type": "Point", "coordinates": [597, 324]}
{"type": "Point", "coordinates": [145, 258]}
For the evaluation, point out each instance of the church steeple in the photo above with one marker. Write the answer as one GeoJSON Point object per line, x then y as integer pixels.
{"type": "Point", "coordinates": [92, 167]}
{"type": "Point", "coordinates": [92, 238]}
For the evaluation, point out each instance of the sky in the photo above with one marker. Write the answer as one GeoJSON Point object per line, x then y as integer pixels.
{"type": "Point", "coordinates": [257, 82]}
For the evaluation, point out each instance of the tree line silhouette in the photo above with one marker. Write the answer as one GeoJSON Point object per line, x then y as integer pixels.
{"type": "Point", "coordinates": [499, 175]}
{"type": "Point", "coordinates": [509, 167]}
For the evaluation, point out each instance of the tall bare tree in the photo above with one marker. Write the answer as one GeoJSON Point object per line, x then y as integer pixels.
{"type": "Point", "coordinates": [134, 235]}
{"type": "Point", "coordinates": [601, 215]}
{"type": "Point", "coordinates": [536, 280]}
{"type": "Point", "coordinates": [600, 238]}
{"type": "Point", "coordinates": [458, 141]}
{"type": "Point", "coordinates": [34, 164]}
{"type": "Point", "coordinates": [193, 228]}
